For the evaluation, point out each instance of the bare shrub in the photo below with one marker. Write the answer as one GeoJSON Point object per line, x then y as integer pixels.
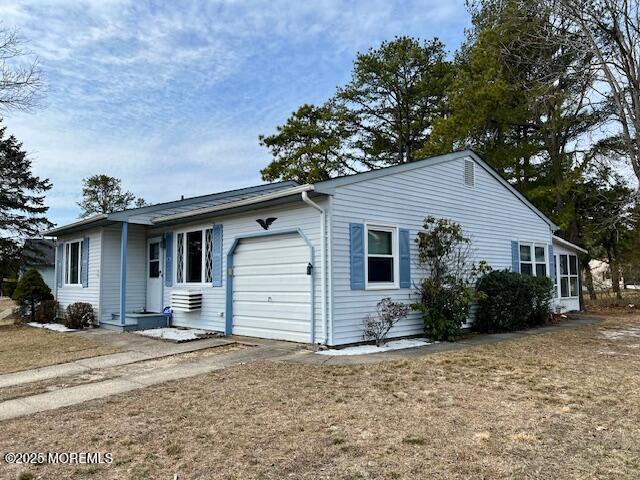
{"type": "Point", "coordinates": [377, 326]}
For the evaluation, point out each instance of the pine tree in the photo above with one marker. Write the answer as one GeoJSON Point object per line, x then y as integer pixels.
{"type": "Point", "coordinates": [30, 291]}
{"type": "Point", "coordinates": [382, 116]}
{"type": "Point", "coordinates": [22, 208]}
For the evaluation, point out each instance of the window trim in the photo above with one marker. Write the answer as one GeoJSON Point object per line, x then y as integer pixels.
{"type": "Point", "coordinates": [66, 266]}
{"type": "Point", "coordinates": [568, 276]}
{"type": "Point", "coordinates": [395, 254]}
{"type": "Point", "coordinates": [533, 262]}
{"type": "Point", "coordinates": [185, 231]}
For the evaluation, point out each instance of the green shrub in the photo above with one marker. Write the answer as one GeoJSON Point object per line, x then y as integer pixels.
{"type": "Point", "coordinates": [444, 308]}
{"type": "Point", "coordinates": [79, 315]}
{"type": "Point", "coordinates": [47, 311]}
{"type": "Point", "coordinates": [510, 301]}
{"type": "Point", "coordinates": [29, 292]}
{"type": "Point", "coordinates": [446, 289]}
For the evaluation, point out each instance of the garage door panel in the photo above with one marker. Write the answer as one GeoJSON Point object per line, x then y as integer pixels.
{"type": "Point", "coordinates": [275, 283]}
{"type": "Point", "coordinates": [280, 324]}
{"type": "Point", "coordinates": [276, 297]}
{"type": "Point", "coordinates": [272, 258]}
{"type": "Point", "coordinates": [297, 311]}
{"type": "Point", "coordinates": [271, 334]}
{"type": "Point", "coordinates": [271, 288]}
{"type": "Point", "coordinates": [256, 270]}
{"type": "Point", "coordinates": [292, 241]}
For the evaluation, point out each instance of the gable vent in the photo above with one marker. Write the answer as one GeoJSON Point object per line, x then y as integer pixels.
{"type": "Point", "coordinates": [469, 173]}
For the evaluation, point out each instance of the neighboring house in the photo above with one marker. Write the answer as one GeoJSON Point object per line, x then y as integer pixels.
{"type": "Point", "coordinates": [305, 263]}
{"type": "Point", "coordinates": [39, 253]}
{"type": "Point", "coordinates": [601, 274]}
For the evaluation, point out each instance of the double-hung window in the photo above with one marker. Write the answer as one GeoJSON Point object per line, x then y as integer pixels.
{"type": "Point", "coordinates": [533, 259]}
{"type": "Point", "coordinates": [568, 275]}
{"type": "Point", "coordinates": [193, 256]}
{"type": "Point", "coordinates": [382, 257]}
{"type": "Point", "coordinates": [73, 262]}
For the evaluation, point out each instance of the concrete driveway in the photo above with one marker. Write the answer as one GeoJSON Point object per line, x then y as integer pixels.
{"type": "Point", "coordinates": [143, 362]}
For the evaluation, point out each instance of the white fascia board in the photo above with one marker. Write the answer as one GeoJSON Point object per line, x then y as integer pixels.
{"type": "Point", "coordinates": [85, 221]}
{"type": "Point", "coordinates": [565, 243]}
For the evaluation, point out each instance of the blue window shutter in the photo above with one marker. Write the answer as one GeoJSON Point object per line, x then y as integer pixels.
{"type": "Point", "coordinates": [216, 268]}
{"type": "Point", "coordinates": [168, 259]}
{"type": "Point", "coordinates": [515, 256]}
{"type": "Point", "coordinates": [60, 264]}
{"type": "Point", "coordinates": [405, 258]}
{"type": "Point", "coordinates": [85, 262]}
{"type": "Point", "coordinates": [552, 265]}
{"type": "Point", "coordinates": [356, 240]}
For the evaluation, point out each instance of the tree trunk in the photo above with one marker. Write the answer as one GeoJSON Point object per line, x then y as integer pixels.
{"type": "Point", "coordinates": [588, 282]}
{"type": "Point", "coordinates": [615, 279]}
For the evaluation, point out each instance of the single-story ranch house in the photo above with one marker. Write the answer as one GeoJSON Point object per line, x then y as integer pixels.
{"type": "Point", "coordinates": [305, 263]}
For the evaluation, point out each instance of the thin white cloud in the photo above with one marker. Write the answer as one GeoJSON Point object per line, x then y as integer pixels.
{"type": "Point", "coordinates": [172, 96]}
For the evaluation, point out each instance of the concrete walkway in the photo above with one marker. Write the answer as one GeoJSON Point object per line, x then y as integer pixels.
{"type": "Point", "coordinates": [307, 357]}
{"type": "Point", "coordinates": [128, 382]}
{"type": "Point", "coordinates": [136, 349]}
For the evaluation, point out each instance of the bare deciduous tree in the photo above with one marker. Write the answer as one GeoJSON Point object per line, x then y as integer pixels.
{"type": "Point", "coordinates": [611, 30]}
{"type": "Point", "coordinates": [21, 79]}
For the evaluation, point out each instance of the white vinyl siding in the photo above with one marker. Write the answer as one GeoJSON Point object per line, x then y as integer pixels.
{"type": "Point", "coordinates": [295, 215]}
{"type": "Point", "coordinates": [136, 297]}
{"type": "Point", "coordinates": [489, 213]}
{"type": "Point", "coordinates": [67, 294]}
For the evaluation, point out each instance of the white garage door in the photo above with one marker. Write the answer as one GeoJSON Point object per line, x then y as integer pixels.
{"type": "Point", "coordinates": [271, 288]}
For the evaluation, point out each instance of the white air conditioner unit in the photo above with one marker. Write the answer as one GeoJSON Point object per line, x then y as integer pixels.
{"type": "Point", "coordinates": [186, 301]}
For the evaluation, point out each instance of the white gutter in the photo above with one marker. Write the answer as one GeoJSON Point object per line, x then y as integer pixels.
{"type": "Point", "coordinates": [323, 257]}
{"type": "Point", "coordinates": [239, 203]}
{"type": "Point", "coordinates": [52, 232]}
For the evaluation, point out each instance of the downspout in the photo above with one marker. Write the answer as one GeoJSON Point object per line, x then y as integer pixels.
{"type": "Point", "coordinates": [323, 259]}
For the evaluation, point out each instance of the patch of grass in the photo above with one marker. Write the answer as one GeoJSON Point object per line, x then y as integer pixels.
{"type": "Point", "coordinates": [414, 440]}
{"type": "Point", "coordinates": [90, 470]}
{"type": "Point", "coordinates": [548, 403]}
{"type": "Point", "coordinates": [23, 348]}
{"type": "Point", "coordinates": [174, 450]}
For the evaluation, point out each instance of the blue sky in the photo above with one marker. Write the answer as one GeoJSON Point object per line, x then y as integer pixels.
{"type": "Point", "coordinates": [171, 97]}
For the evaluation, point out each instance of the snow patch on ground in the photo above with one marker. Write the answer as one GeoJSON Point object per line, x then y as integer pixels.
{"type": "Point", "coordinates": [621, 334]}
{"type": "Point", "coordinates": [56, 327]}
{"type": "Point", "coordinates": [367, 349]}
{"type": "Point", "coordinates": [174, 334]}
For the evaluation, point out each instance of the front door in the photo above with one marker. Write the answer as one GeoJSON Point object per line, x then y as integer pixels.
{"type": "Point", "coordinates": [154, 276]}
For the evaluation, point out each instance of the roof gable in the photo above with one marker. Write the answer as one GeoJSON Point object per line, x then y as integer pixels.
{"type": "Point", "coordinates": [328, 186]}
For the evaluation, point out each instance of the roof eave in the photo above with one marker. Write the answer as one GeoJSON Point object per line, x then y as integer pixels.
{"type": "Point", "coordinates": [253, 201]}
{"type": "Point", "coordinates": [85, 222]}
{"type": "Point", "coordinates": [568, 244]}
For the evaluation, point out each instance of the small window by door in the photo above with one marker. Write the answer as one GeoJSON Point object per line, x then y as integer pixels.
{"type": "Point", "coordinates": [154, 260]}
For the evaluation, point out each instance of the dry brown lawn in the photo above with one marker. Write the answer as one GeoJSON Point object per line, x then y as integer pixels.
{"type": "Point", "coordinates": [23, 347]}
{"type": "Point", "coordinates": [560, 405]}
